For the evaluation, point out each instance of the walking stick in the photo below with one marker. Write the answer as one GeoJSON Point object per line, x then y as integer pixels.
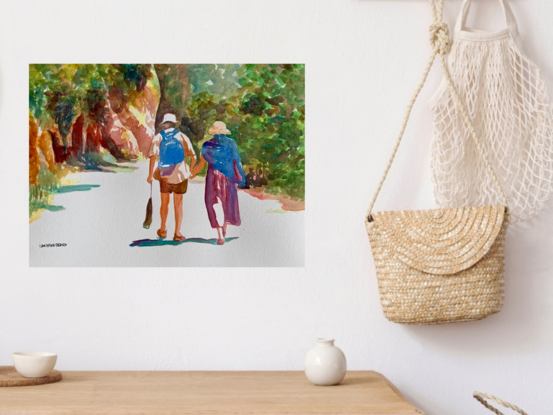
{"type": "Point", "coordinates": [149, 210]}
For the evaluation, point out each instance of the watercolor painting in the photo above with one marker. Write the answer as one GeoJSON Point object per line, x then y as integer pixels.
{"type": "Point", "coordinates": [167, 165]}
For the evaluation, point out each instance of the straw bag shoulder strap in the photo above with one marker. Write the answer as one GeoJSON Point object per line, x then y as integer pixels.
{"type": "Point", "coordinates": [441, 45]}
{"type": "Point", "coordinates": [481, 397]}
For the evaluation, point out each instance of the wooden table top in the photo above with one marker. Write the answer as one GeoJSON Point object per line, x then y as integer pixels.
{"type": "Point", "coordinates": [213, 393]}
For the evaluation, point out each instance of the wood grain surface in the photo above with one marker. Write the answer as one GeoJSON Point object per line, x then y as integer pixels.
{"type": "Point", "coordinates": [10, 377]}
{"type": "Point", "coordinates": [214, 393]}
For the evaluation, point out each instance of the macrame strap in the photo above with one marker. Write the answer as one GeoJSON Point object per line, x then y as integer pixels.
{"type": "Point", "coordinates": [441, 45]}
{"type": "Point", "coordinates": [481, 397]}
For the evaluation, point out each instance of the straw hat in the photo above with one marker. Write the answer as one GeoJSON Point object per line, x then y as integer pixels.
{"type": "Point", "coordinates": [219, 127]}
{"type": "Point", "coordinates": [169, 118]}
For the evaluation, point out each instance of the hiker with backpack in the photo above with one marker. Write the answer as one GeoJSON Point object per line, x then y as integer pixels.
{"type": "Point", "coordinates": [170, 149]}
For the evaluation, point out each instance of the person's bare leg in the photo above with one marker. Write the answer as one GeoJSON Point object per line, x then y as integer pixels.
{"type": "Point", "coordinates": [220, 238]}
{"type": "Point", "coordinates": [177, 202]}
{"type": "Point", "coordinates": [164, 211]}
{"type": "Point", "coordinates": [225, 230]}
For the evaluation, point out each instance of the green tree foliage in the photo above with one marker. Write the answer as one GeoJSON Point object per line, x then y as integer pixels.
{"type": "Point", "coordinates": [221, 81]}
{"type": "Point", "coordinates": [60, 92]}
{"type": "Point", "coordinates": [211, 87]}
{"type": "Point", "coordinates": [271, 133]}
{"type": "Point", "coordinates": [264, 108]}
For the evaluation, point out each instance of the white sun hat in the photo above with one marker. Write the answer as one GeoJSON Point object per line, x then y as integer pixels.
{"type": "Point", "coordinates": [219, 127]}
{"type": "Point", "coordinates": [169, 118]}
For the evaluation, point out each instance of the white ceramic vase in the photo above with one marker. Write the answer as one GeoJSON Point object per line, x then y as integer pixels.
{"type": "Point", "coordinates": [325, 364]}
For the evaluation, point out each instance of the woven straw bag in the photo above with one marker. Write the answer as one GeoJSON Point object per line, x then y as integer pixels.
{"type": "Point", "coordinates": [443, 265]}
{"type": "Point", "coordinates": [482, 397]}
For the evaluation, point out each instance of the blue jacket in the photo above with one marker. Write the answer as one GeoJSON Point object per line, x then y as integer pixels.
{"type": "Point", "coordinates": [222, 154]}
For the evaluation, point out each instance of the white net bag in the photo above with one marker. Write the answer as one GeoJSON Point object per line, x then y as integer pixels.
{"type": "Point", "coordinates": [508, 103]}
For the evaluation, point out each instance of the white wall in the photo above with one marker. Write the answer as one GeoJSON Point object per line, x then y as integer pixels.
{"type": "Point", "coordinates": [363, 59]}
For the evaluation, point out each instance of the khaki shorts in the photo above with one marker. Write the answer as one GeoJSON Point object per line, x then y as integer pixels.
{"type": "Point", "coordinates": [178, 188]}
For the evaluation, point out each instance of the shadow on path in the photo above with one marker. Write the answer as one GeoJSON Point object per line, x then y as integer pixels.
{"type": "Point", "coordinates": [36, 206]}
{"type": "Point", "coordinates": [77, 188]}
{"type": "Point", "coordinates": [162, 242]}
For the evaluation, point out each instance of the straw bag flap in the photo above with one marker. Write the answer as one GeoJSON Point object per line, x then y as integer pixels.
{"type": "Point", "coordinates": [439, 241]}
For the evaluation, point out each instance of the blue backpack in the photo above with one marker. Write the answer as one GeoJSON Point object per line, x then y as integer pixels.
{"type": "Point", "coordinates": [171, 152]}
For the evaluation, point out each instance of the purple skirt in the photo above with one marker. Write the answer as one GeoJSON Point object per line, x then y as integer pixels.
{"type": "Point", "coordinates": [218, 186]}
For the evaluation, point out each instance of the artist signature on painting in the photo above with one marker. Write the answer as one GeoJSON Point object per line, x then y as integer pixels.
{"type": "Point", "coordinates": [56, 245]}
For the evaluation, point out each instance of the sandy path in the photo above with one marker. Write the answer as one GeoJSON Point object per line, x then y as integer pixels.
{"type": "Point", "coordinates": [99, 225]}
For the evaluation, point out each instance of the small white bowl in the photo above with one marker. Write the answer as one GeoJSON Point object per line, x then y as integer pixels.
{"type": "Point", "coordinates": [34, 364]}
